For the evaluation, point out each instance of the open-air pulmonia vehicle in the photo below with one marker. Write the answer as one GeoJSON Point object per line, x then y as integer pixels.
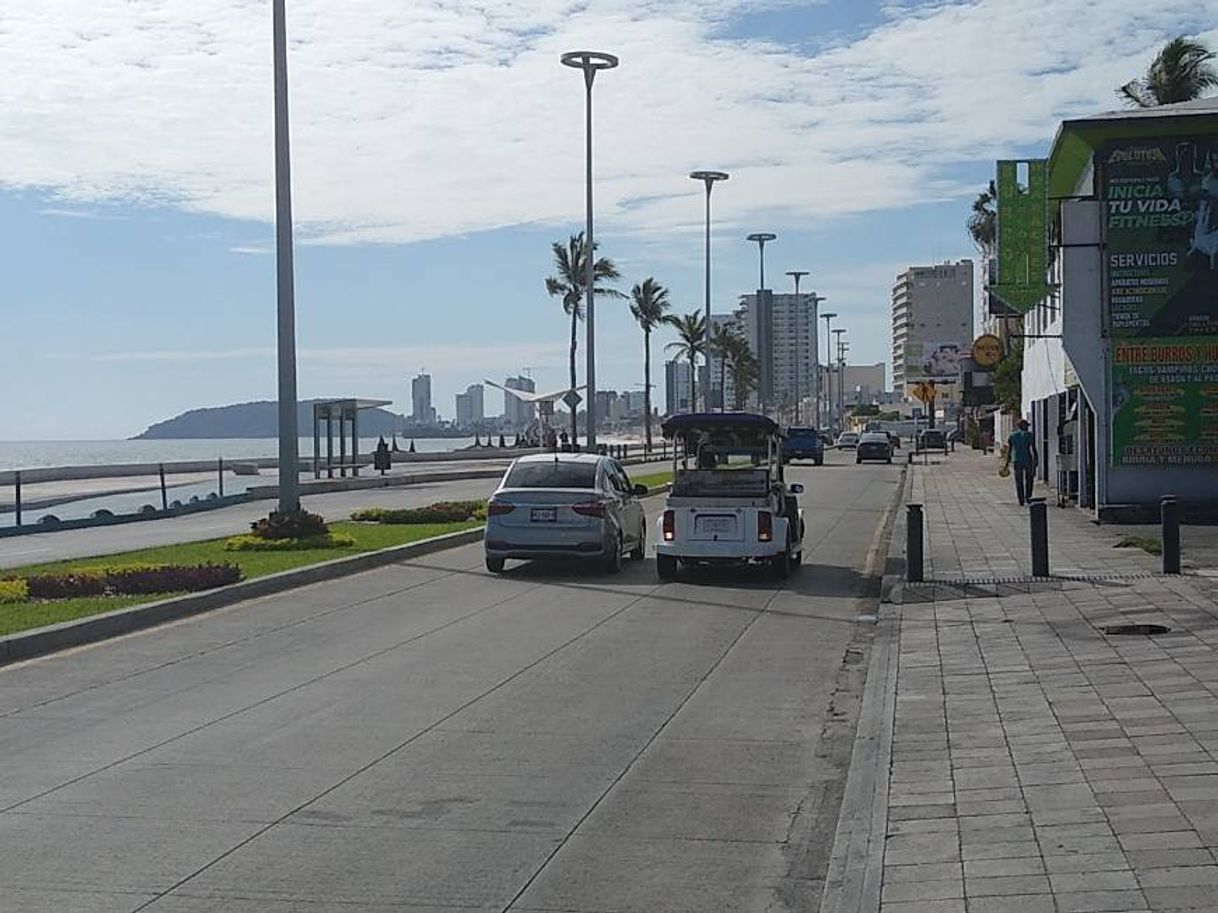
{"type": "Point", "coordinates": [728, 503]}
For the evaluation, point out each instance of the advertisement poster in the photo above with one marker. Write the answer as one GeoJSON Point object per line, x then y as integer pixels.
{"type": "Point", "coordinates": [1161, 201]}
{"type": "Point", "coordinates": [938, 361]}
{"type": "Point", "coordinates": [1161, 270]}
{"type": "Point", "coordinates": [1165, 402]}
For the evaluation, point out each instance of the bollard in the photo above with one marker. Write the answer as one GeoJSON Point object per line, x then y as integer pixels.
{"type": "Point", "coordinates": [909, 457]}
{"type": "Point", "coordinates": [220, 474]}
{"type": "Point", "coordinates": [1169, 518]}
{"type": "Point", "coordinates": [1039, 516]}
{"type": "Point", "coordinates": [913, 543]}
{"type": "Point", "coordinates": [17, 486]}
{"type": "Point", "coordinates": [164, 497]}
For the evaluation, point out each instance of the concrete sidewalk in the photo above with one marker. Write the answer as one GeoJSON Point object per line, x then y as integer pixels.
{"type": "Point", "coordinates": [1020, 758]}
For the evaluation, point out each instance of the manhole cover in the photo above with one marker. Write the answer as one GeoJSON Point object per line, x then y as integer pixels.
{"type": "Point", "coordinates": [1143, 630]}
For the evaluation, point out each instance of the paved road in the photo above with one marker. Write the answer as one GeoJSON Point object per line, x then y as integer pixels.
{"type": "Point", "coordinates": [227, 521]}
{"type": "Point", "coordinates": [428, 737]}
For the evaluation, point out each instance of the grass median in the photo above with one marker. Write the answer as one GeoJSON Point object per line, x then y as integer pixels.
{"type": "Point", "coordinates": [368, 537]}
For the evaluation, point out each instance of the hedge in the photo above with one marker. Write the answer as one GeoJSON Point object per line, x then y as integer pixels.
{"type": "Point", "coordinates": [13, 591]}
{"type": "Point", "coordinates": [440, 512]}
{"type": "Point", "coordinates": [255, 544]}
{"type": "Point", "coordinates": [300, 525]}
{"type": "Point", "coordinates": [132, 580]}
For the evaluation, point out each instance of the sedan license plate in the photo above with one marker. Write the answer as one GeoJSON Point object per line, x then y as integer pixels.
{"type": "Point", "coordinates": [544, 515]}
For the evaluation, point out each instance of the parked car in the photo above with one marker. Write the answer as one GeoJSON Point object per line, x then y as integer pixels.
{"type": "Point", "coordinates": [803, 444]}
{"type": "Point", "coordinates": [847, 440]}
{"type": "Point", "coordinates": [873, 445]}
{"type": "Point", "coordinates": [565, 505]}
{"type": "Point", "coordinates": [932, 439]}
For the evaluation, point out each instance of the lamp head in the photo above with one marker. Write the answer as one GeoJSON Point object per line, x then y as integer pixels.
{"type": "Point", "coordinates": [589, 60]}
{"type": "Point", "coordinates": [761, 236]}
{"type": "Point", "coordinates": [709, 177]}
{"type": "Point", "coordinates": [797, 273]}
{"type": "Point", "coordinates": [828, 316]}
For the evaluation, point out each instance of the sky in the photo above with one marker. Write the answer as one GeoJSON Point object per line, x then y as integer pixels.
{"type": "Point", "coordinates": [437, 151]}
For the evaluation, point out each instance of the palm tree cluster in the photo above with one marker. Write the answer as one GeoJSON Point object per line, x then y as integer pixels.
{"type": "Point", "coordinates": [1181, 71]}
{"type": "Point", "coordinates": [649, 305]}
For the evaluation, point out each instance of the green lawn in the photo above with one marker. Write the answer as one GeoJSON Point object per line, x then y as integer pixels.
{"type": "Point", "coordinates": [653, 480]}
{"type": "Point", "coordinates": [368, 537]}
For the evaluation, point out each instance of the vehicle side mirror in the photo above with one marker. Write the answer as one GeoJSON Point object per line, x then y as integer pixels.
{"type": "Point", "coordinates": [640, 491]}
{"type": "Point", "coordinates": [795, 488]}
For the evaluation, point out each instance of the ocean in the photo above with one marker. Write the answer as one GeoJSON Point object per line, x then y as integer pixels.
{"type": "Point", "coordinates": [41, 454]}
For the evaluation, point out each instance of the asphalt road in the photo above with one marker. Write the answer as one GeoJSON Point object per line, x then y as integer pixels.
{"type": "Point", "coordinates": [228, 521]}
{"type": "Point", "coordinates": [428, 737]}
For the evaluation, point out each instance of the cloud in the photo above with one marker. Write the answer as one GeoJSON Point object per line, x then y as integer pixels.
{"type": "Point", "coordinates": [445, 117]}
{"type": "Point", "coordinates": [249, 249]}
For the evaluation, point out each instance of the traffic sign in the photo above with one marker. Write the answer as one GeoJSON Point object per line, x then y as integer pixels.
{"type": "Point", "coordinates": [987, 350]}
{"type": "Point", "coordinates": [572, 399]}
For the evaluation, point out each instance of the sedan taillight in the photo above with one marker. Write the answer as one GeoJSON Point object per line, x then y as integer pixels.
{"type": "Point", "coordinates": [765, 526]}
{"type": "Point", "coordinates": [590, 508]}
{"type": "Point", "coordinates": [670, 526]}
{"type": "Point", "coordinates": [498, 508]}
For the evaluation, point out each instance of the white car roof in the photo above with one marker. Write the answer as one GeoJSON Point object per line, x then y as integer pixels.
{"type": "Point", "coordinates": [560, 458]}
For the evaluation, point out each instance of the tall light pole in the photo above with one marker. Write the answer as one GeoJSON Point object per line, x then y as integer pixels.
{"type": "Point", "coordinates": [828, 317]}
{"type": "Point", "coordinates": [761, 237]}
{"type": "Point", "coordinates": [289, 441]}
{"type": "Point", "coordinates": [841, 378]}
{"type": "Point", "coordinates": [798, 274]}
{"type": "Point", "coordinates": [708, 178]}
{"type": "Point", "coordinates": [590, 62]}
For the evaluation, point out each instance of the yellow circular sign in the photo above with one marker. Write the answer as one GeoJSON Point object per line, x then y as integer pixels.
{"type": "Point", "coordinates": [987, 350]}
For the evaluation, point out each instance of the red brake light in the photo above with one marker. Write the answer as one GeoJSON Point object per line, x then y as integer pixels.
{"type": "Point", "coordinates": [497, 508]}
{"type": "Point", "coordinates": [765, 526]}
{"type": "Point", "coordinates": [590, 508]}
{"type": "Point", "coordinates": [670, 526]}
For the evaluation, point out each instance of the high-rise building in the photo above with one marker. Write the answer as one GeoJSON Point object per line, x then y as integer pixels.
{"type": "Point", "coordinates": [678, 384]}
{"type": "Point", "coordinates": [470, 412]}
{"type": "Point", "coordinates": [932, 326]}
{"type": "Point", "coordinates": [517, 413]}
{"type": "Point", "coordinates": [420, 399]}
{"type": "Point", "coordinates": [722, 390]}
{"type": "Point", "coordinates": [634, 402]}
{"type": "Point", "coordinates": [782, 333]}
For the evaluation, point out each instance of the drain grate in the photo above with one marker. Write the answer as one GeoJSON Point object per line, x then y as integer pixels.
{"type": "Point", "coordinates": [1143, 630]}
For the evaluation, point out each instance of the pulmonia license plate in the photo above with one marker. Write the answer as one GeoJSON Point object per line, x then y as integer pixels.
{"type": "Point", "coordinates": [716, 524]}
{"type": "Point", "coordinates": [543, 514]}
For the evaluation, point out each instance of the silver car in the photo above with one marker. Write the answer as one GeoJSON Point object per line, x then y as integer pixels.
{"type": "Point", "coordinates": [565, 505]}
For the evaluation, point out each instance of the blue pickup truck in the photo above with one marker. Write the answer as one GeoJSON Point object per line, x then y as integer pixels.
{"type": "Point", "coordinates": [803, 444]}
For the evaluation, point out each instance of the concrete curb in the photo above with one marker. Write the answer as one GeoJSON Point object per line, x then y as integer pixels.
{"type": "Point", "coordinates": [53, 638]}
{"type": "Point", "coordinates": [856, 865]}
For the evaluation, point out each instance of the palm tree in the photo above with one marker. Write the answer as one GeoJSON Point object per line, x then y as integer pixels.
{"type": "Point", "coordinates": [723, 337]}
{"type": "Point", "coordinates": [649, 305]}
{"type": "Point", "coordinates": [746, 372]}
{"type": "Point", "coordinates": [691, 342]}
{"type": "Point", "coordinates": [982, 222]}
{"type": "Point", "coordinates": [1181, 71]}
{"type": "Point", "coordinates": [570, 261]}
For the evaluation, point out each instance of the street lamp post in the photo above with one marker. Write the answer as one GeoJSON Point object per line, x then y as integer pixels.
{"type": "Point", "coordinates": [708, 178]}
{"type": "Point", "coordinates": [589, 62]}
{"type": "Point", "coordinates": [828, 317]}
{"type": "Point", "coordinates": [841, 377]}
{"type": "Point", "coordinates": [798, 274]}
{"type": "Point", "coordinates": [289, 442]}
{"type": "Point", "coordinates": [761, 237]}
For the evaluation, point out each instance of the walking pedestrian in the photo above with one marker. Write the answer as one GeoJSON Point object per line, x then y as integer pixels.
{"type": "Point", "coordinates": [1021, 453]}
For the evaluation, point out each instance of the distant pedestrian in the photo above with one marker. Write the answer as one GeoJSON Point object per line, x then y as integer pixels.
{"type": "Point", "coordinates": [1021, 453]}
{"type": "Point", "coordinates": [564, 441]}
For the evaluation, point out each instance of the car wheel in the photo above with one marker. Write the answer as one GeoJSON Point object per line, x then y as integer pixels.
{"type": "Point", "coordinates": [640, 551]}
{"type": "Point", "coordinates": [613, 561]}
{"type": "Point", "coordinates": [858, 460]}
{"type": "Point", "coordinates": [889, 461]}
{"type": "Point", "coordinates": [494, 565]}
{"type": "Point", "coordinates": [820, 461]}
{"type": "Point", "coordinates": [666, 567]}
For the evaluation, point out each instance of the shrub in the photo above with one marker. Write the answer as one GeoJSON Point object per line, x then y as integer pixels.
{"type": "Point", "coordinates": [440, 512]}
{"type": "Point", "coordinates": [132, 580]}
{"type": "Point", "coordinates": [171, 578]}
{"type": "Point", "coordinates": [300, 525]}
{"type": "Point", "coordinates": [254, 544]}
{"type": "Point", "coordinates": [13, 591]}
{"type": "Point", "coordinates": [65, 586]}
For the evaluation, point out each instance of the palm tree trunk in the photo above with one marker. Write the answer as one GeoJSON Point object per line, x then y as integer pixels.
{"type": "Point", "coordinates": [571, 364]}
{"type": "Point", "coordinates": [722, 384]}
{"type": "Point", "coordinates": [693, 382]}
{"type": "Point", "coordinates": [647, 389]}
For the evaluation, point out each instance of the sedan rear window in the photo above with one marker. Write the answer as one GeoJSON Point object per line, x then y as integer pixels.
{"type": "Point", "coordinates": [551, 475]}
